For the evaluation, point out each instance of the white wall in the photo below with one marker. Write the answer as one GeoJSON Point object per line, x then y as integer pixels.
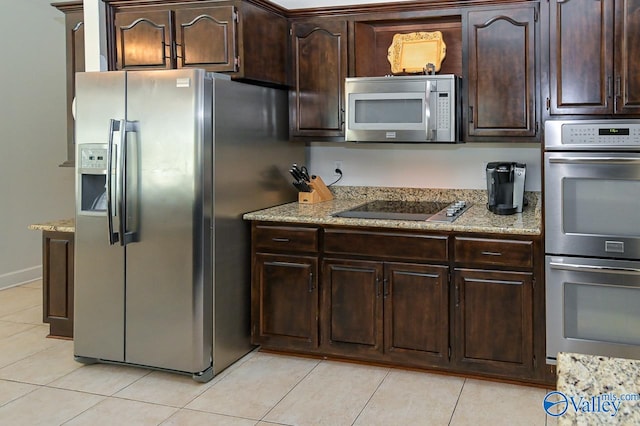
{"type": "Point", "coordinates": [33, 134]}
{"type": "Point", "coordinates": [459, 166]}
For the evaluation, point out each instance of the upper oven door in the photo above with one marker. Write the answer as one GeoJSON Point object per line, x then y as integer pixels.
{"type": "Point", "coordinates": [592, 204]}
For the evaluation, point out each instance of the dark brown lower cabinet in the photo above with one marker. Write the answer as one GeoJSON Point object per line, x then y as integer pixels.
{"type": "Point", "coordinates": [352, 307]}
{"type": "Point", "coordinates": [463, 303]}
{"type": "Point", "coordinates": [398, 311]}
{"type": "Point", "coordinates": [57, 282]}
{"type": "Point", "coordinates": [416, 314]}
{"type": "Point", "coordinates": [285, 301]}
{"type": "Point", "coordinates": [494, 321]}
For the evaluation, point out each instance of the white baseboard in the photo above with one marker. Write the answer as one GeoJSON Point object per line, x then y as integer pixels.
{"type": "Point", "coordinates": [22, 276]}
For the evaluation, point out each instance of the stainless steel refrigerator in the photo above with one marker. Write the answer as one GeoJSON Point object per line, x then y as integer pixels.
{"type": "Point", "coordinates": [166, 164]}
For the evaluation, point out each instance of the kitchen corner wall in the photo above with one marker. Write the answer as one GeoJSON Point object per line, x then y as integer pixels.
{"type": "Point", "coordinates": [460, 166]}
{"type": "Point", "coordinates": [33, 121]}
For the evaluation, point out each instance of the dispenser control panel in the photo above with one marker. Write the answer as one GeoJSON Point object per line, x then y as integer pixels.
{"type": "Point", "coordinates": [93, 158]}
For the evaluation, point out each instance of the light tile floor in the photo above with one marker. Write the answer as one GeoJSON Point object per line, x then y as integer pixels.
{"type": "Point", "coordinates": [41, 384]}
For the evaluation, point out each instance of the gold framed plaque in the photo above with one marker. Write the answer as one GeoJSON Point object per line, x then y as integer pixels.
{"type": "Point", "coordinates": [410, 53]}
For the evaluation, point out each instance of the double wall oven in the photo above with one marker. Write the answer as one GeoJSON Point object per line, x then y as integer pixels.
{"type": "Point", "coordinates": [592, 237]}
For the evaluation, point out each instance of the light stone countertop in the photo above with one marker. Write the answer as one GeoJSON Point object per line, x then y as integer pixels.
{"type": "Point", "coordinates": [603, 383]}
{"type": "Point", "coordinates": [476, 219]}
{"type": "Point", "coordinates": [63, 225]}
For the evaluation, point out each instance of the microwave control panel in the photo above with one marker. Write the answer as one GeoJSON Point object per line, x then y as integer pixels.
{"type": "Point", "coordinates": [443, 111]}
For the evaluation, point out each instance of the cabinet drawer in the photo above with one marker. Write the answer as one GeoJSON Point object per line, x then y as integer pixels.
{"type": "Point", "coordinates": [386, 244]}
{"type": "Point", "coordinates": [285, 238]}
{"type": "Point", "coordinates": [494, 252]}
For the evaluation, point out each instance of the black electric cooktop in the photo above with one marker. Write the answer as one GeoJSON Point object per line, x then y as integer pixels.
{"type": "Point", "coordinates": [407, 210]}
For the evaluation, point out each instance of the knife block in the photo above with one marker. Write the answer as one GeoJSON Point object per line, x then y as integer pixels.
{"type": "Point", "coordinates": [319, 192]}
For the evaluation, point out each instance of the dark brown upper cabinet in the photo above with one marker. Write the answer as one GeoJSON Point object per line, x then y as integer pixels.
{"type": "Point", "coordinates": [74, 47]}
{"type": "Point", "coordinates": [319, 67]}
{"type": "Point", "coordinates": [373, 39]}
{"type": "Point", "coordinates": [594, 57]}
{"type": "Point", "coordinates": [501, 83]}
{"type": "Point", "coordinates": [234, 37]}
{"type": "Point", "coordinates": [143, 40]}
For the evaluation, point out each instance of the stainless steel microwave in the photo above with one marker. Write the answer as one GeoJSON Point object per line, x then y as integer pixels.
{"type": "Point", "coordinates": [423, 108]}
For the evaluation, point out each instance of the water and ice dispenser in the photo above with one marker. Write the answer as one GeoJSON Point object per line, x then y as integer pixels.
{"type": "Point", "coordinates": [93, 179]}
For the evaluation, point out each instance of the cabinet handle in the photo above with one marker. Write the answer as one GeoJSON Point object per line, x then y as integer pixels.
{"type": "Point", "coordinates": [176, 45]}
{"type": "Point", "coordinates": [457, 294]}
{"type": "Point", "coordinates": [377, 286]}
{"type": "Point", "coordinates": [609, 86]}
{"type": "Point", "coordinates": [385, 288]}
{"type": "Point", "coordinates": [164, 49]}
{"type": "Point", "coordinates": [311, 286]}
{"type": "Point", "coordinates": [491, 253]}
{"type": "Point", "coordinates": [618, 94]}
{"type": "Point", "coordinates": [470, 114]}
{"type": "Point", "coordinates": [280, 240]}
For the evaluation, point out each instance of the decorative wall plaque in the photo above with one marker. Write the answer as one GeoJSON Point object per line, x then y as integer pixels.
{"type": "Point", "coordinates": [410, 53]}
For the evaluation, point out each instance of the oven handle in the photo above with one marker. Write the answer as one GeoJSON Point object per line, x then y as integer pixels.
{"type": "Point", "coordinates": [594, 160]}
{"type": "Point", "coordinates": [594, 268]}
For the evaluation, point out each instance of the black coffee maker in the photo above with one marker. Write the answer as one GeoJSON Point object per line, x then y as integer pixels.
{"type": "Point", "coordinates": [505, 187]}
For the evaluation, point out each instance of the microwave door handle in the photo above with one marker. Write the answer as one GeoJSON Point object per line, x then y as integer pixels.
{"type": "Point", "coordinates": [594, 160]}
{"type": "Point", "coordinates": [427, 110]}
{"type": "Point", "coordinates": [595, 268]}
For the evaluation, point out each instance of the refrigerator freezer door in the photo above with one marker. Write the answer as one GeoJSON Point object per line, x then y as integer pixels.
{"type": "Point", "coordinates": [99, 266]}
{"type": "Point", "coordinates": [168, 296]}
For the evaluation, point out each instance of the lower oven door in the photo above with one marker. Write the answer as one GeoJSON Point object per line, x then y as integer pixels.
{"type": "Point", "coordinates": [593, 307]}
{"type": "Point", "coordinates": [592, 204]}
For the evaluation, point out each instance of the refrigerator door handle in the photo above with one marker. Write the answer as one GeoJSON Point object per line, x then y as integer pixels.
{"type": "Point", "coordinates": [114, 126]}
{"type": "Point", "coordinates": [126, 236]}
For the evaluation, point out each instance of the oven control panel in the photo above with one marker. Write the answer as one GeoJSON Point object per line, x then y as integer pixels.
{"type": "Point", "coordinates": [593, 134]}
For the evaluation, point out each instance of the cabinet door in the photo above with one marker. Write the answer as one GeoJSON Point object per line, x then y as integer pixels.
{"type": "Point", "coordinates": [502, 73]}
{"type": "Point", "coordinates": [319, 52]}
{"type": "Point", "coordinates": [416, 314]}
{"type": "Point", "coordinates": [285, 301]}
{"type": "Point", "coordinates": [351, 320]}
{"type": "Point", "coordinates": [74, 46]}
{"type": "Point", "coordinates": [581, 52]}
{"type": "Point", "coordinates": [57, 282]}
{"type": "Point", "coordinates": [143, 40]}
{"type": "Point", "coordinates": [206, 38]}
{"type": "Point", "coordinates": [494, 321]}
{"type": "Point", "coordinates": [627, 83]}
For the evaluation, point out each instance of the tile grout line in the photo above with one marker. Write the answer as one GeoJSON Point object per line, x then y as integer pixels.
{"type": "Point", "coordinates": [457, 401]}
{"type": "Point", "coordinates": [25, 357]}
{"type": "Point", "coordinates": [289, 391]}
{"type": "Point", "coordinates": [37, 387]}
{"type": "Point", "coordinates": [85, 410]}
{"type": "Point", "coordinates": [222, 376]}
{"type": "Point", "coordinates": [372, 394]}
